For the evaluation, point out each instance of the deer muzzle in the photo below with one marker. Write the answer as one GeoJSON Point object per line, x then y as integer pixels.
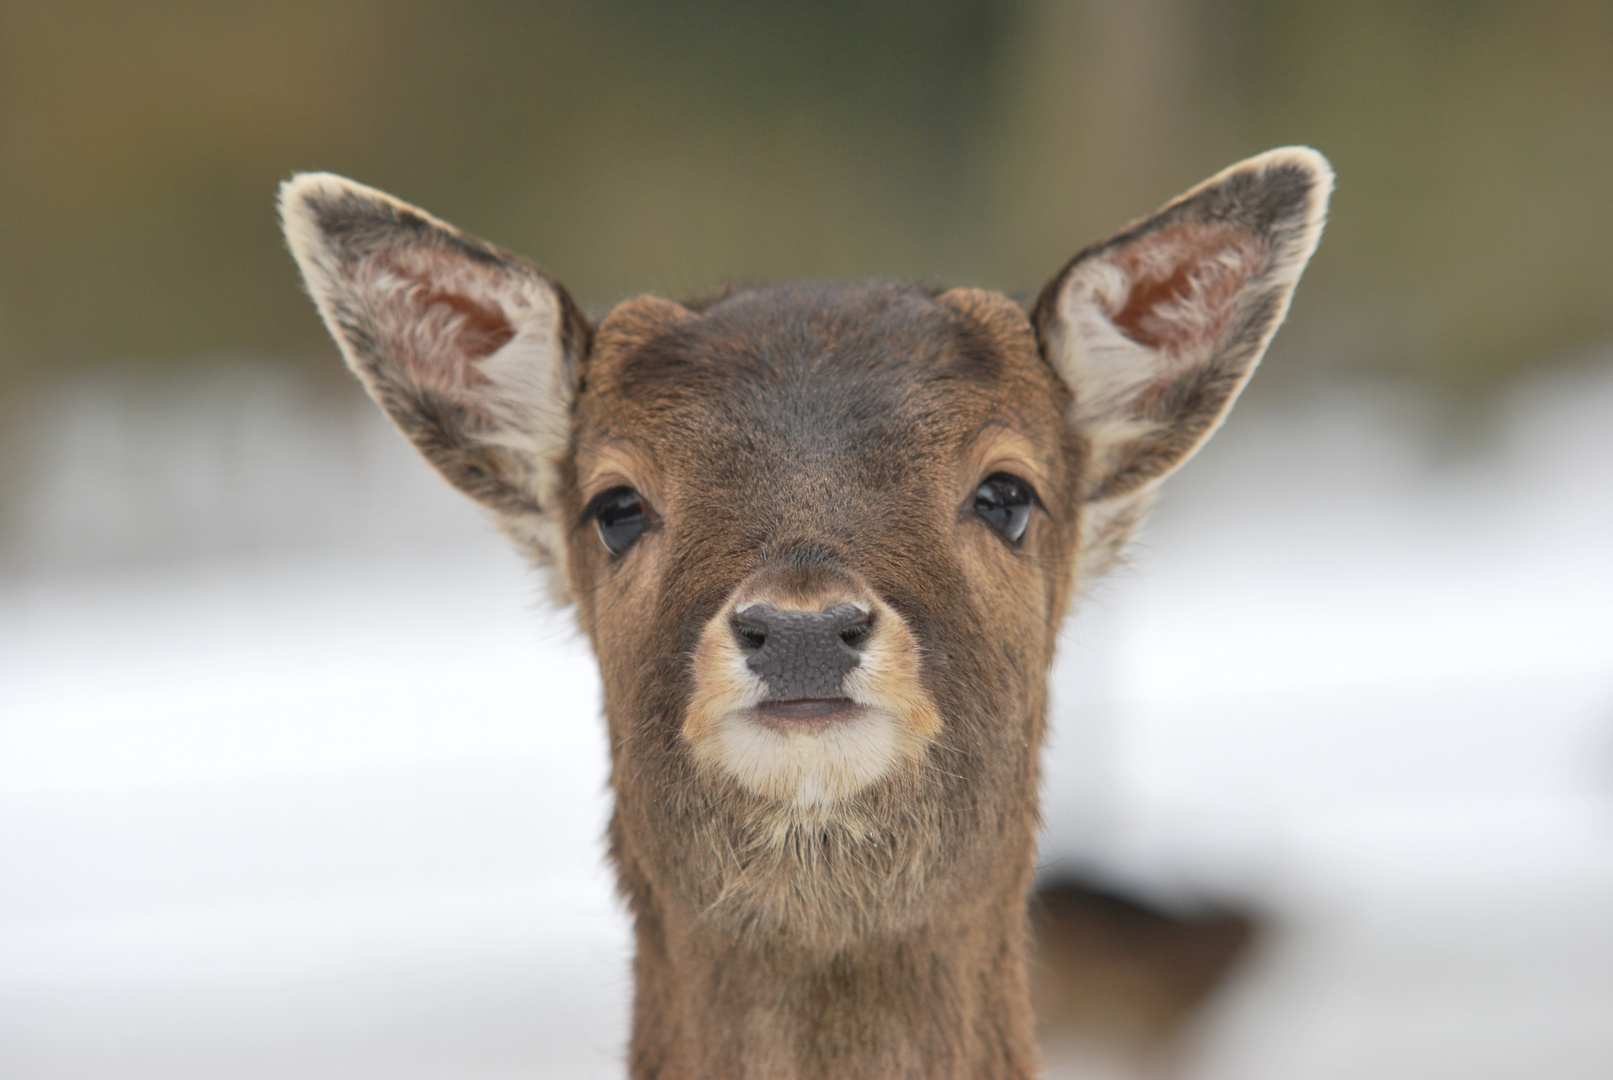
{"type": "Point", "coordinates": [808, 698]}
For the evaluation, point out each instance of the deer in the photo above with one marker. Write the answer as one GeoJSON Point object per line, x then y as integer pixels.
{"type": "Point", "coordinates": [821, 539]}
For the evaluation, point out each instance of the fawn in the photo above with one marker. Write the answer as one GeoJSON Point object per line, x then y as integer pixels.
{"type": "Point", "coordinates": [821, 538]}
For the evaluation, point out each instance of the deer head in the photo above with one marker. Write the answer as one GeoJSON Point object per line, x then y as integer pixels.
{"type": "Point", "coordinates": [821, 538]}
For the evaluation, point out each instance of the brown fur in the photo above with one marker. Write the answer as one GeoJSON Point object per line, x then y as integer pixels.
{"type": "Point", "coordinates": [822, 444]}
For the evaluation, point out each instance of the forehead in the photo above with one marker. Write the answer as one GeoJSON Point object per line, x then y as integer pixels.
{"type": "Point", "coordinates": [816, 373]}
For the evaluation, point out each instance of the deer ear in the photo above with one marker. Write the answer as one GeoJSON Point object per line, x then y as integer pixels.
{"type": "Point", "coordinates": [471, 352]}
{"type": "Point", "coordinates": [1156, 330]}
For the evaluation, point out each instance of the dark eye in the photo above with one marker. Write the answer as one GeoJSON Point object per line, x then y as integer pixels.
{"type": "Point", "coordinates": [1004, 502]}
{"type": "Point", "coordinates": [619, 513]}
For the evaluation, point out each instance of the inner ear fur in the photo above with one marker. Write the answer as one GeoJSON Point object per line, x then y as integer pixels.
{"type": "Point", "coordinates": [473, 353]}
{"type": "Point", "coordinates": [1156, 330]}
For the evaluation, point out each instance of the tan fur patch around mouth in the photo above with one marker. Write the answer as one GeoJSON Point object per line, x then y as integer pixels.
{"type": "Point", "coordinates": [811, 768]}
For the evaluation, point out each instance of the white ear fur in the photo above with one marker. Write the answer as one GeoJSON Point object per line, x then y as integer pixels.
{"type": "Point", "coordinates": [1157, 330]}
{"type": "Point", "coordinates": [471, 352]}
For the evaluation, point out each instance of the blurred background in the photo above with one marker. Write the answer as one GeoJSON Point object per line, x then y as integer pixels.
{"type": "Point", "coordinates": [298, 775]}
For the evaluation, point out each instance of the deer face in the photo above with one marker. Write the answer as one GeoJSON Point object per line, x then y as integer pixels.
{"type": "Point", "coordinates": [850, 518]}
{"type": "Point", "coordinates": [820, 537]}
{"type": "Point", "coordinates": [832, 612]}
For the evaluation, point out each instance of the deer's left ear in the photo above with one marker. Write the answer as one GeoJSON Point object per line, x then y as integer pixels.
{"type": "Point", "coordinates": [1156, 330]}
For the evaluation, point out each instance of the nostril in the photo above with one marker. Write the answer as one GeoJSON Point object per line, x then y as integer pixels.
{"type": "Point", "coordinates": [749, 632]}
{"type": "Point", "coordinates": [856, 635]}
{"type": "Point", "coordinates": [852, 624]}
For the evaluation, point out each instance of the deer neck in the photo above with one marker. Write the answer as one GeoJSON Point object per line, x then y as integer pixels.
{"type": "Point", "coordinates": [938, 1002]}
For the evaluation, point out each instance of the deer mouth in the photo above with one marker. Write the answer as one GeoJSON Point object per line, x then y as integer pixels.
{"type": "Point", "coordinates": [806, 714]}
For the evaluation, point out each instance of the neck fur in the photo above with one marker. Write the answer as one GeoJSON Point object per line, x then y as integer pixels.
{"type": "Point", "coordinates": [940, 1002]}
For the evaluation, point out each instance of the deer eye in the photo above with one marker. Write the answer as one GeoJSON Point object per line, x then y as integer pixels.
{"type": "Point", "coordinates": [620, 516]}
{"type": "Point", "coordinates": [1004, 502]}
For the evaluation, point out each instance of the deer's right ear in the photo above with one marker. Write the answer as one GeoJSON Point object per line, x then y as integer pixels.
{"type": "Point", "coordinates": [472, 353]}
{"type": "Point", "coordinates": [1156, 330]}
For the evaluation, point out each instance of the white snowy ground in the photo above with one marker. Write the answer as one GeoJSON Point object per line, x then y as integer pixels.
{"type": "Point", "coordinates": [297, 778]}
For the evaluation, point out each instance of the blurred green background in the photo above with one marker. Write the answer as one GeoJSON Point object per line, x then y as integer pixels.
{"type": "Point", "coordinates": [669, 146]}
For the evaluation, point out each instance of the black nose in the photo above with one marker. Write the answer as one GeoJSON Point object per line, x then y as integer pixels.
{"type": "Point", "coordinates": [802, 654]}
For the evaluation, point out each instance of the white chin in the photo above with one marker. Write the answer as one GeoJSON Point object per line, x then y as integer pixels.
{"type": "Point", "coordinates": [809, 765]}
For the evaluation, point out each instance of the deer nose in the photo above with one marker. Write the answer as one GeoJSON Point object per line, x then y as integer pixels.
{"type": "Point", "coordinates": [802, 654]}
